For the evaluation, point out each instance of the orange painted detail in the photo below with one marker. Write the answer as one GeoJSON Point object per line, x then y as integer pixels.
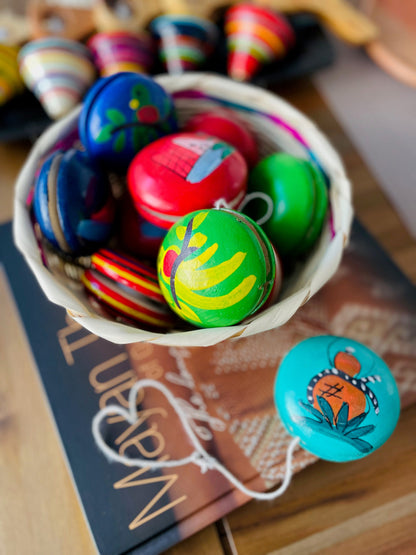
{"type": "Point", "coordinates": [337, 391]}
{"type": "Point", "coordinates": [347, 363]}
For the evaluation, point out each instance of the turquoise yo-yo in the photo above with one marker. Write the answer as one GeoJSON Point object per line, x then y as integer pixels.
{"type": "Point", "coordinates": [338, 397]}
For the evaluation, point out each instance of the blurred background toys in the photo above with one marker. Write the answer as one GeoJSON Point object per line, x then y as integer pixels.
{"type": "Point", "coordinates": [266, 42]}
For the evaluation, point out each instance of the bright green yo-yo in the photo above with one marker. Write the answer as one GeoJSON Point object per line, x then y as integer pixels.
{"type": "Point", "coordinates": [298, 195]}
{"type": "Point", "coordinates": [216, 267]}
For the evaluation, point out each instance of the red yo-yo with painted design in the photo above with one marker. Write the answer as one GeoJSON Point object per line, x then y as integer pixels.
{"type": "Point", "coordinates": [185, 172]}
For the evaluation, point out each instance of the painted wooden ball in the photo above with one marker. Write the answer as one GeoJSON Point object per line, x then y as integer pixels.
{"type": "Point", "coordinates": [122, 114]}
{"type": "Point", "coordinates": [216, 267]}
{"type": "Point", "coordinates": [224, 125]}
{"type": "Point", "coordinates": [298, 194]}
{"type": "Point", "coordinates": [337, 396]}
{"type": "Point", "coordinates": [127, 288]}
{"type": "Point", "coordinates": [185, 172]}
{"type": "Point", "coordinates": [73, 203]}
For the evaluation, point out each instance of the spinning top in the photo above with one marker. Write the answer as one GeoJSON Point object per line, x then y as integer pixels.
{"type": "Point", "coordinates": [10, 80]}
{"type": "Point", "coordinates": [185, 172]}
{"type": "Point", "coordinates": [73, 203]}
{"type": "Point", "coordinates": [215, 267]}
{"type": "Point", "coordinates": [256, 35]}
{"type": "Point", "coordinates": [122, 114]}
{"type": "Point", "coordinates": [58, 71]}
{"type": "Point", "coordinates": [185, 42]}
{"type": "Point", "coordinates": [114, 52]}
{"type": "Point", "coordinates": [338, 397]}
{"type": "Point", "coordinates": [224, 125]}
{"type": "Point", "coordinates": [297, 192]}
{"type": "Point", "coordinates": [128, 288]}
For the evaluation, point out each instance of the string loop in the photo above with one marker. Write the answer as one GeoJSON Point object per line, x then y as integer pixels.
{"type": "Point", "coordinates": [199, 456]}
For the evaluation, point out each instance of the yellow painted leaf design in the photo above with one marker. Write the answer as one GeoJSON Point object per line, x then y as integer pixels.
{"type": "Point", "coordinates": [193, 278]}
{"type": "Point", "coordinates": [198, 240]}
{"type": "Point", "coordinates": [184, 310]}
{"type": "Point", "coordinates": [180, 232]}
{"type": "Point", "coordinates": [198, 219]}
{"type": "Point", "coordinates": [187, 296]}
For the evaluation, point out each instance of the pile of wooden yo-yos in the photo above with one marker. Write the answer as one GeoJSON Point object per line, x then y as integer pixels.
{"type": "Point", "coordinates": [179, 236]}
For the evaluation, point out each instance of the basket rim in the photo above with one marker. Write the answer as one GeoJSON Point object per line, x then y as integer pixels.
{"type": "Point", "coordinates": [275, 316]}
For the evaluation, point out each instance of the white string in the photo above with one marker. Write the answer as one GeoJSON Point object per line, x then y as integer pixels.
{"type": "Point", "coordinates": [222, 203]}
{"type": "Point", "coordinates": [199, 456]}
{"type": "Point", "coordinates": [267, 199]}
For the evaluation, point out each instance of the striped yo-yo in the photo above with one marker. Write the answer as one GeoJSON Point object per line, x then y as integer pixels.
{"type": "Point", "coordinates": [58, 71]}
{"type": "Point", "coordinates": [256, 35]}
{"type": "Point", "coordinates": [127, 288]}
{"type": "Point", "coordinates": [185, 42]}
{"type": "Point", "coordinates": [118, 51]}
{"type": "Point", "coordinates": [10, 80]}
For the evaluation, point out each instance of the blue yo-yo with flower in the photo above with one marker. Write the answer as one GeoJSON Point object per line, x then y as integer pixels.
{"type": "Point", "coordinates": [338, 397]}
{"type": "Point", "coordinates": [122, 114]}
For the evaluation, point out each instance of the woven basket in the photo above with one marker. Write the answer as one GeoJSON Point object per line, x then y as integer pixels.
{"type": "Point", "coordinates": [277, 126]}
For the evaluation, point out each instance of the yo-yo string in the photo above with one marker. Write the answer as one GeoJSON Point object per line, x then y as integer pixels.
{"type": "Point", "coordinates": [199, 456]}
{"type": "Point", "coordinates": [222, 203]}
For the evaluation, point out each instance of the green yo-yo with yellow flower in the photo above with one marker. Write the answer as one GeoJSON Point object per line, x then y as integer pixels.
{"type": "Point", "coordinates": [216, 267]}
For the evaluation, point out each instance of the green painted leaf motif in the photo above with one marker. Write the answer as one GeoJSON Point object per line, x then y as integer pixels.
{"type": "Point", "coordinates": [312, 410]}
{"type": "Point", "coordinates": [358, 432]}
{"type": "Point", "coordinates": [342, 417]}
{"type": "Point", "coordinates": [141, 137]}
{"type": "Point", "coordinates": [120, 142]}
{"type": "Point", "coordinates": [363, 446]}
{"type": "Point", "coordinates": [105, 134]}
{"type": "Point", "coordinates": [115, 116]}
{"type": "Point", "coordinates": [325, 408]}
{"type": "Point", "coordinates": [319, 427]}
{"type": "Point", "coordinates": [356, 421]}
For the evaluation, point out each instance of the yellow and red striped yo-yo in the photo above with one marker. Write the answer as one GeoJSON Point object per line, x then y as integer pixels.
{"type": "Point", "coordinates": [127, 288]}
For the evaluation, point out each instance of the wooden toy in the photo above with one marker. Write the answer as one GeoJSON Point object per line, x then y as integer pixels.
{"type": "Point", "coordinates": [118, 51]}
{"type": "Point", "coordinates": [224, 125]}
{"type": "Point", "coordinates": [121, 114]}
{"type": "Point", "coordinates": [215, 267]}
{"type": "Point", "coordinates": [10, 81]}
{"type": "Point", "coordinates": [185, 172]}
{"type": "Point", "coordinates": [340, 16]}
{"type": "Point", "coordinates": [338, 397]}
{"type": "Point", "coordinates": [185, 42]}
{"type": "Point", "coordinates": [278, 281]}
{"type": "Point", "coordinates": [58, 71]}
{"type": "Point", "coordinates": [54, 19]}
{"type": "Point", "coordinates": [73, 203]}
{"type": "Point", "coordinates": [136, 234]}
{"type": "Point", "coordinates": [297, 192]}
{"type": "Point", "coordinates": [256, 35]}
{"type": "Point", "coordinates": [128, 287]}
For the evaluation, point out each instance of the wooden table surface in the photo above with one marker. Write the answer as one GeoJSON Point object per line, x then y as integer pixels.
{"type": "Point", "coordinates": [364, 507]}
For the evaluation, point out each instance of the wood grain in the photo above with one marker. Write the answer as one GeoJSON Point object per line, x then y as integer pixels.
{"type": "Point", "coordinates": [368, 506]}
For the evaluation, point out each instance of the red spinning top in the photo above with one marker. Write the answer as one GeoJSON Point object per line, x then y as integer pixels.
{"type": "Point", "coordinates": [185, 172]}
